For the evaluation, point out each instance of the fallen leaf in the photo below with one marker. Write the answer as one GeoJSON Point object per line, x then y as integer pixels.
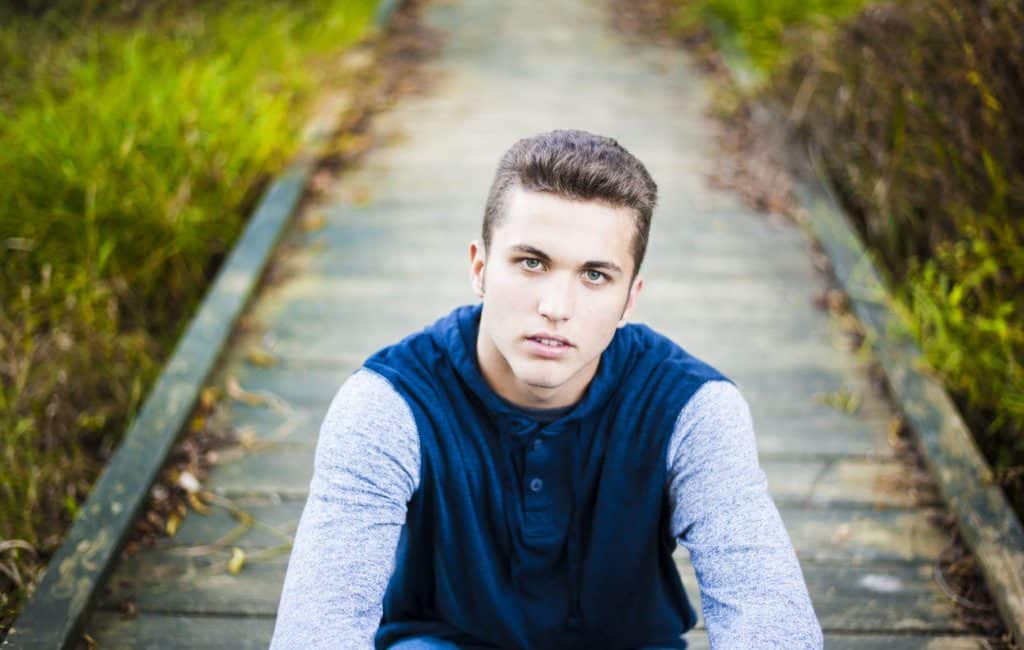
{"type": "Point", "coordinates": [841, 400]}
{"type": "Point", "coordinates": [313, 221]}
{"type": "Point", "coordinates": [237, 561]}
{"type": "Point", "coordinates": [197, 504]}
{"type": "Point", "coordinates": [172, 524]}
{"type": "Point", "coordinates": [208, 398]}
{"type": "Point", "coordinates": [237, 393]}
{"type": "Point", "coordinates": [260, 357]}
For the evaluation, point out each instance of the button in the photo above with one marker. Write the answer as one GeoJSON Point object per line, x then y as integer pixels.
{"type": "Point", "coordinates": [537, 444]}
{"type": "Point", "coordinates": [536, 485]}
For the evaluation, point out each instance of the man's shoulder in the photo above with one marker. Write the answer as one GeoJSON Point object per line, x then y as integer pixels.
{"type": "Point", "coordinates": [666, 354]}
{"type": "Point", "coordinates": [421, 349]}
{"type": "Point", "coordinates": [367, 393]}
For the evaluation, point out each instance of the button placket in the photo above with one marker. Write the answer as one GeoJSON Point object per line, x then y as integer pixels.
{"type": "Point", "coordinates": [537, 496]}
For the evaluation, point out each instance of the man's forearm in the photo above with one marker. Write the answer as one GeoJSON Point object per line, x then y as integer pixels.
{"type": "Point", "coordinates": [753, 593]}
{"type": "Point", "coordinates": [367, 467]}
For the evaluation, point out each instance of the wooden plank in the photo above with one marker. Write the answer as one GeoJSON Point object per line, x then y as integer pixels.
{"type": "Point", "coordinates": [725, 347]}
{"type": "Point", "coordinates": [793, 395]}
{"type": "Point", "coordinates": [883, 598]}
{"type": "Point", "coordinates": [857, 535]}
{"type": "Point", "coordinates": [112, 631]}
{"type": "Point", "coordinates": [810, 438]}
{"type": "Point", "coordinates": [152, 631]}
{"type": "Point", "coordinates": [698, 640]}
{"type": "Point", "coordinates": [844, 481]}
{"type": "Point", "coordinates": [789, 418]}
{"type": "Point", "coordinates": [886, 597]}
{"type": "Point", "coordinates": [990, 527]}
{"type": "Point", "coordinates": [806, 438]}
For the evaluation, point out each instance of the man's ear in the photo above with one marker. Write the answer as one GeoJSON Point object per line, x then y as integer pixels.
{"type": "Point", "coordinates": [634, 293]}
{"type": "Point", "coordinates": [477, 264]}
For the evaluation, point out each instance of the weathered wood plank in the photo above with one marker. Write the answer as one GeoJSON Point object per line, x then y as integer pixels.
{"type": "Point", "coordinates": [114, 632]}
{"type": "Point", "coordinates": [316, 303]}
{"type": "Point", "coordinates": [367, 330]}
{"type": "Point", "coordinates": [891, 596]}
{"type": "Point", "coordinates": [698, 640]}
{"type": "Point", "coordinates": [843, 535]}
{"type": "Point", "coordinates": [790, 396]}
{"type": "Point", "coordinates": [803, 437]}
{"type": "Point", "coordinates": [775, 437]}
{"type": "Point", "coordinates": [840, 481]}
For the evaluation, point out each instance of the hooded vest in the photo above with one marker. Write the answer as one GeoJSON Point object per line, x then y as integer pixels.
{"type": "Point", "coordinates": [530, 535]}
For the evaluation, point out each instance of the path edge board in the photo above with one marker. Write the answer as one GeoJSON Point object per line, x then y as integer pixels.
{"type": "Point", "coordinates": [54, 615]}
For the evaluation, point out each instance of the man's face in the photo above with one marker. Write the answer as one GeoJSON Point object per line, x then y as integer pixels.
{"type": "Point", "coordinates": [555, 285]}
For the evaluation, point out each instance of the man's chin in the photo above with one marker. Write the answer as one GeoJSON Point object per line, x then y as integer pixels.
{"type": "Point", "coordinates": [533, 378]}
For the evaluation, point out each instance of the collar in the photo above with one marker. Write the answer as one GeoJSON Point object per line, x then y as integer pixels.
{"type": "Point", "coordinates": [458, 336]}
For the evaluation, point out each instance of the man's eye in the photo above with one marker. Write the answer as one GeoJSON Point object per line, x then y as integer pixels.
{"type": "Point", "coordinates": [595, 276]}
{"type": "Point", "coordinates": [530, 263]}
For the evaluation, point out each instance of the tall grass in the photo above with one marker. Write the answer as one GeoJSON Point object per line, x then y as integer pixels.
{"type": "Point", "coordinates": [131, 145]}
{"type": "Point", "coordinates": [919, 108]}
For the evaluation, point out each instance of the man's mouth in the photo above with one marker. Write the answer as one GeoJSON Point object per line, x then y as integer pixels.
{"type": "Point", "coordinates": [551, 342]}
{"type": "Point", "coordinates": [548, 346]}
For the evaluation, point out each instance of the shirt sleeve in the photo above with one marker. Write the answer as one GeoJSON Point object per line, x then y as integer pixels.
{"type": "Point", "coordinates": [365, 472]}
{"type": "Point", "coordinates": [753, 593]}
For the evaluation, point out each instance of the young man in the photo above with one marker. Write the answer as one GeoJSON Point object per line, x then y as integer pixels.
{"type": "Point", "coordinates": [518, 474]}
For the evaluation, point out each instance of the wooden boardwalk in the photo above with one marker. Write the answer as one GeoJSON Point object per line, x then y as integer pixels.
{"type": "Point", "coordinates": [729, 285]}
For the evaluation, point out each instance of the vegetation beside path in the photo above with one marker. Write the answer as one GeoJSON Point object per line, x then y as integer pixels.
{"type": "Point", "coordinates": [917, 108]}
{"type": "Point", "coordinates": [134, 139]}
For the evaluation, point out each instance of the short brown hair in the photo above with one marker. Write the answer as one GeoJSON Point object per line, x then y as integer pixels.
{"type": "Point", "coordinates": [575, 165]}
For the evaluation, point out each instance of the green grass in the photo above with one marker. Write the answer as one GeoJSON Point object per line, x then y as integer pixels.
{"type": "Point", "coordinates": [132, 143]}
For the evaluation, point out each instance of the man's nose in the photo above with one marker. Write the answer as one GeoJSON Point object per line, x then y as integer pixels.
{"type": "Point", "coordinates": [558, 298]}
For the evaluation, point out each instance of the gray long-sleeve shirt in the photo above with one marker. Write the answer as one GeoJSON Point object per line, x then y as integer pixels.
{"type": "Point", "coordinates": [753, 593]}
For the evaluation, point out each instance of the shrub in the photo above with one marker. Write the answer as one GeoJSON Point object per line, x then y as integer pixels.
{"type": "Point", "coordinates": [918, 109]}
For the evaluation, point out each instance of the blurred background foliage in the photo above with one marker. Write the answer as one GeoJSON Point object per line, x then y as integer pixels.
{"type": "Point", "coordinates": [757, 28]}
{"type": "Point", "coordinates": [917, 107]}
{"type": "Point", "coordinates": [134, 138]}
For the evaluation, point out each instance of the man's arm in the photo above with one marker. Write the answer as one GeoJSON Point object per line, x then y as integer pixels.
{"type": "Point", "coordinates": [753, 593]}
{"type": "Point", "coordinates": [366, 470]}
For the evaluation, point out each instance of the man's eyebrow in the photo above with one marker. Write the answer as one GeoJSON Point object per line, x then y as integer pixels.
{"type": "Point", "coordinates": [591, 264]}
{"type": "Point", "coordinates": [600, 265]}
{"type": "Point", "coordinates": [530, 250]}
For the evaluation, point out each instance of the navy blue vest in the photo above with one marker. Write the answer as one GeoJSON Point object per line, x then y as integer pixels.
{"type": "Point", "coordinates": [529, 535]}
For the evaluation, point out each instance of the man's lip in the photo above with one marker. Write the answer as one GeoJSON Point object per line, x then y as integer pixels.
{"type": "Point", "coordinates": [553, 337]}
